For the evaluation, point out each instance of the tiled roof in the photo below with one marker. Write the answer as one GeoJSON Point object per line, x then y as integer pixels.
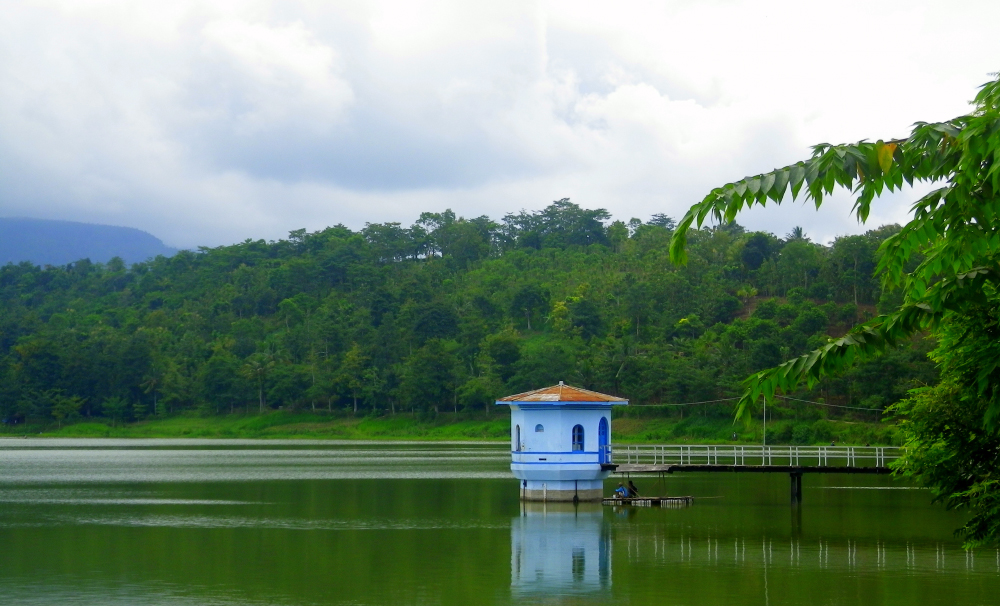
{"type": "Point", "coordinates": [562, 393]}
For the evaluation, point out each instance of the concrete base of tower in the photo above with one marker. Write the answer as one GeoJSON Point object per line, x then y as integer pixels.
{"type": "Point", "coordinates": [562, 491]}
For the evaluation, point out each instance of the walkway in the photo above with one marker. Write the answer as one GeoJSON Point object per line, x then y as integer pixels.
{"type": "Point", "coordinates": [793, 460]}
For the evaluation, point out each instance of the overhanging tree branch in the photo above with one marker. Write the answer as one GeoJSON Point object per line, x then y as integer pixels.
{"type": "Point", "coordinates": [955, 227]}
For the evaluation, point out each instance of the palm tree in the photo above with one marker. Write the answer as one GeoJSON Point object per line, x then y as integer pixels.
{"type": "Point", "coordinates": [256, 368]}
{"type": "Point", "coordinates": [746, 293]}
{"type": "Point", "coordinates": [151, 384]}
{"type": "Point", "coordinates": [797, 233]}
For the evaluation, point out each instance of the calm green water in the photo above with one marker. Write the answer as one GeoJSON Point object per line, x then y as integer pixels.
{"type": "Point", "coordinates": [245, 522]}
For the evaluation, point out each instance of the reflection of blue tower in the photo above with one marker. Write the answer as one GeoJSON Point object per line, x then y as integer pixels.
{"type": "Point", "coordinates": [561, 442]}
{"type": "Point", "coordinates": [558, 549]}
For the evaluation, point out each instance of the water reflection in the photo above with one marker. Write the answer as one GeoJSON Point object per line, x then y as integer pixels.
{"type": "Point", "coordinates": [559, 549]}
{"type": "Point", "coordinates": [268, 524]}
{"type": "Point", "coordinates": [42, 462]}
{"type": "Point", "coordinates": [801, 553]}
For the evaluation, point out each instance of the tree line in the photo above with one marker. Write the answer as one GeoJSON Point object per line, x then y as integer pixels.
{"type": "Point", "coordinates": [446, 314]}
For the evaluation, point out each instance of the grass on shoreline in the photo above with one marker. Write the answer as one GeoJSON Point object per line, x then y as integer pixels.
{"type": "Point", "coordinates": [627, 429]}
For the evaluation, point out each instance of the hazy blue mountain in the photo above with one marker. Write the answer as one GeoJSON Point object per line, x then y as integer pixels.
{"type": "Point", "coordinates": [46, 242]}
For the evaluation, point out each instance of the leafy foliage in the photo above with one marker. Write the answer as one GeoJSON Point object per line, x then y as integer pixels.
{"type": "Point", "coordinates": [949, 447]}
{"type": "Point", "coordinates": [954, 230]}
{"type": "Point", "coordinates": [945, 264]}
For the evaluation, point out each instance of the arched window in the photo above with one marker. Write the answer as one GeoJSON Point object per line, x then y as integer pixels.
{"type": "Point", "coordinates": [539, 428]}
{"type": "Point", "coordinates": [517, 438]}
{"type": "Point", "coordinates": [603, 441]}
{"type": "Point", "coordinates": [578, 438]}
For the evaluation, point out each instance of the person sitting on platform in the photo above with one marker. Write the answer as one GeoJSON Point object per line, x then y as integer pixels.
{"type": "Point", "coordinates": [621, 492]}
{"type": "Point", "coordinates": [632, 490]}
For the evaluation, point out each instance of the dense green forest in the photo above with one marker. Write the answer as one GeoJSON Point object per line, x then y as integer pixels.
{"type": "Point", "coordinates": [445, 315]}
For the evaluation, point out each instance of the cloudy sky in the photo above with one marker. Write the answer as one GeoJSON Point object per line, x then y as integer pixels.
{"type": "Point", "coordinates": [206, 123]}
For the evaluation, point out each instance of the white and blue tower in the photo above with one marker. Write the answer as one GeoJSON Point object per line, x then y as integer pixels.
{"type": "Point", "coordinates": [561, 442]}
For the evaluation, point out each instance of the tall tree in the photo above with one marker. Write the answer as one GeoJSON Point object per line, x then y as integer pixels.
{"type": "Point", "coordinates": [256, 368]}
{"type": "Point", "coordinates": [352, 374]}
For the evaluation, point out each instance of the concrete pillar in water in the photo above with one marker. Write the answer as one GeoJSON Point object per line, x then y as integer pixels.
{"type": "Point", "coordinates": [796, 477]}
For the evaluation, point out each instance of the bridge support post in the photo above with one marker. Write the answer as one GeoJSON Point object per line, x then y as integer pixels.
{"type": "Point", "coordinates": [796, 478]}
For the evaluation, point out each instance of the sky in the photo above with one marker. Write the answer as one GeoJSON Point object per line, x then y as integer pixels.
{"type": "Point", "coordinates": [207, 123]}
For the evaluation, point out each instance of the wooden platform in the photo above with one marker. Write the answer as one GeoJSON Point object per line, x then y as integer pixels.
{"type": "Point", "coordinates": [649, 501]}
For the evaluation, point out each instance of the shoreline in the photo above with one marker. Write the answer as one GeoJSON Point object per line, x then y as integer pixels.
{"type": "Point", "coordinates": [467, 428]}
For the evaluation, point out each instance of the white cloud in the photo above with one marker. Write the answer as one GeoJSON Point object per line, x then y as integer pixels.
{"type": "Point", "coordinates": [207, 123]}
{"type": "Point", "coordinates": [277, 74]}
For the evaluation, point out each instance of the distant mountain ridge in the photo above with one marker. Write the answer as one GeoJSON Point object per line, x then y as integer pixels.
{"type": "Point", "coordinates": [47, 242]}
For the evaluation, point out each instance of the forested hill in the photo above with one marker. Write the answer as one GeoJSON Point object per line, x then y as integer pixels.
{"type": "Point", "coordinates": [45, 242]}
{"type": "Point", "coordinates": [447, 313]}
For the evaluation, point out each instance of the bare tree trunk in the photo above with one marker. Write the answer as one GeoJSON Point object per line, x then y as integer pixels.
{"type": "Point", "coordinates": [855, 282]}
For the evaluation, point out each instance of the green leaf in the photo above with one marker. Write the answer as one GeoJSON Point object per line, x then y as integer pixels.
{"type": "Point", "coordinates": [767, 182]}
{"type": "Point", "coordinates": [796, 174]}
{"type": "Point", "coordinates": [885, 151]}
{"type": "Point", "coordinates": [777, 191]}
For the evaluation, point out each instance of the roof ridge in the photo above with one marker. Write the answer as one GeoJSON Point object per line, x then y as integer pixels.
{"type": "Point", "coordinates": [557, 393]}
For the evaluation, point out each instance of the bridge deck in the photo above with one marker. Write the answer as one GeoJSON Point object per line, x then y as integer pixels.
{"type": "Point", "coordinates": [671, 468]}
{"type": "Point", "coordinates": [793, 460]}
{"type": "Point", "coordinates": [735, 457]}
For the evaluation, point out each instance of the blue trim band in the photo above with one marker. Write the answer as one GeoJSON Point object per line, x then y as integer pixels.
{"type": "Point", "coordinates": [566, 452]}
{"type": "Point", "coordinates": [555, 463]}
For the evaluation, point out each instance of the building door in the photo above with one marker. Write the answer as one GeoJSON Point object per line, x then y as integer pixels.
{"type": "Point", "coordinates": [603, 443]}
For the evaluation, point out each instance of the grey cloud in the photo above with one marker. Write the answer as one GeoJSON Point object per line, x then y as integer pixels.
{"type": "Point", "coordinates": [208, 126]}
{"type": "Point", "coordinates": [376, 152]}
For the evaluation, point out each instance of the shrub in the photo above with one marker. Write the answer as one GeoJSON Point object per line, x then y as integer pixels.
{"type": "Point", "coordinates": [802, 434]}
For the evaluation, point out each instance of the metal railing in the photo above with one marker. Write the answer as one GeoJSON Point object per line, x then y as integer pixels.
{"type": "Point", "coordinates": [745, 455]}
{"type": "Point", "coordinates": [604, 453]}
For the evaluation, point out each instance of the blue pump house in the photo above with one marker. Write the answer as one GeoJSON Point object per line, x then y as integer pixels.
{"type": "Point", "coordinates": [561, 442]}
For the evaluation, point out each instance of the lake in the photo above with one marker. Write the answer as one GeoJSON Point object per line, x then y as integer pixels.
{"type": "Point", "coordinates": [178, 522]}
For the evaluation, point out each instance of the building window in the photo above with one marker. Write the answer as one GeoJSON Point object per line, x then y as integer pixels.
{"type": "Point", "coordinates": [578, 438]}
{"type": "Point", "coordinates": [539, 428]}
